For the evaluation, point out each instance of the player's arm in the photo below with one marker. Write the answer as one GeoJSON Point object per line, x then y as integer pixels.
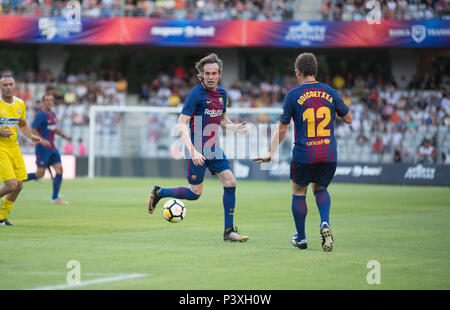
{"type": "Point", "coordinates": [63, 135]}
{"type": "Point", "coordinates": [184, 132]}
{"type": "Point", "coordinates": [347, 118]}
{"type": "Point", "coordinates": [28, 132]}
{"type": "Point", "coordinates": [277, 137]}
{"type": "Point", "coordinates": [5, 133]}
{"type": "Point", "coordinates": [44, 142]}
{"type": "Point", "coordinates": [281, 129]}
{"type": "Point", "coordinates": [230, 125]}
{"type": "Point", "coordinates": [342, 111]}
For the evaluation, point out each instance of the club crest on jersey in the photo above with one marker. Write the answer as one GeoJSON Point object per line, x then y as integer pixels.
{"type": "Point", "coordinates": [19, 111]}
{"type": "Point", "coordinates": [213, 112]}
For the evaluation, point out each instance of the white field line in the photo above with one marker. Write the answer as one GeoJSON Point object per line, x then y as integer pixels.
{"type": "Point", "coordinates": [93, 281]}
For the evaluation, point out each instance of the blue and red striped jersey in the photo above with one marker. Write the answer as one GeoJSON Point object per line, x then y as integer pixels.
{"type": "Point", "coordinates": [312, 106]}
{"type": "Point", "coordinates": [45, 124]}
{"type": "Point", "coordinates": [206, 108]}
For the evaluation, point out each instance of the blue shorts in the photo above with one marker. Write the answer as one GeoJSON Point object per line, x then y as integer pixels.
{"type": "Point", "coordinates": [46, 158]}
{"type": "Point", "coordinates": [319, 173]}
{"type": "Point", "coordinates": [196, 174]}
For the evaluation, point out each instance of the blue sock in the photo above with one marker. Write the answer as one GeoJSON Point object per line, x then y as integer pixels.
{"type": "Point", "coordinates": [56, 185]}
{"type": "Point", "coordinates": [323, 202]}
{"type": "Point", "coordinates": [229, 202]}
{"type": "Point", "coordinates": [178, 192]}
{"type": "Point", "coordinates": [31, 176]}
{"type": "Point", "coordinates": [299, 211]}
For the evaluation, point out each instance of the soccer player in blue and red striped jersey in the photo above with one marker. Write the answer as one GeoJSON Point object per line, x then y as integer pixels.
{"type": "Point", "coordinates": [47, 155]}
{"type": "Point", "coordinates": [313, 107]}
{"type": "Point", "coordinates": [203, 113]}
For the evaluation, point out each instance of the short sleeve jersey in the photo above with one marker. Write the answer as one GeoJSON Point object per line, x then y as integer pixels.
{"type": "Point", "coordinates": [206, 108]}
{"type": "Point", "coordinates": [10, 115]}
{"type": "Point", "coordinates": [45, 124]}
{"type": "Point", "coordinates": [312, 106]}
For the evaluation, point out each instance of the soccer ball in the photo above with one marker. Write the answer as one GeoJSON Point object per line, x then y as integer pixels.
{"type": "Point", "coordinates": [174, 211]}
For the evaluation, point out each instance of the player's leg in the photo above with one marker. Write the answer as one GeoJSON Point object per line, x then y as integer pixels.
{"type": "Point", "coordinates": [8, 186]}
{"type": "Point", "coordinates": [222, 168]}
{"type": "Point", "coordinates": [195, 176]}
{"type": "Point", "coordinates": [13, 187]}
{"type": "Point", "coordinates": [39, 174]}
{"type": "Point", "coordinates": [300, 176]}
{"type": "Point", "coordinates": [42, 162]}
{"type": "Point", "coordinates": [7, 174]}
{"type": "Point", "coordinates": [228, 181]}
{"type": "Point", "coordinates": [324, 175]}
{"type": "Point", "coordinates": [12, 173]}
{"type": "Point", "coordinates": [57, 180]}
{"type": "Point", "coordinates": [323, 202]}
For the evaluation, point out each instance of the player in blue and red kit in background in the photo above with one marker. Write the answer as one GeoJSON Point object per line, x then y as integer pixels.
{"type": "Point", "coordinates": [313, 106]}
{"type": "Point", "coordinates": [203, 113]}
{"type": "Point", "coordinates": [45, 125]}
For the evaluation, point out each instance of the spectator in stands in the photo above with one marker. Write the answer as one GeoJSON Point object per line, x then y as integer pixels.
{"type": "Point", "coordinates": [397, 155]}
{"type": "Point", "coordinates": [68, 148]}
{"type": "Point", "coordinates": [377, 146]}
{"type": "Point", "coordinates": [144, 95]}
{"type": "Point", "coordinates": [445, 102]}
{"type": "Point", "coordinates": [426, 154]}
{"type": "Point", "coordinates": [391, 9]}
{"type": "Point", "coordinates": [338, 81]}
{"type": "Point", "coordinates": [81, 148]}
{"type": "Point", "coordinates": [362, 139]}
{"type": "Point", "coordinates": [445, 158]}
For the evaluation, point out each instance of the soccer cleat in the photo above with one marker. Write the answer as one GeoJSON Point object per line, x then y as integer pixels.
{"type": "Point", "coordinates": [327, 237]}
{"type": "Point", "coordinates": [231, 234]}
{"type": "Point", "coordinates": [59, 201]}
{"type": "Point", "coordinates": [153, 199]}
{"type": "Point", "coordinates": [302, 244]}
{"type": "Point", "coordinates": [5, 222]}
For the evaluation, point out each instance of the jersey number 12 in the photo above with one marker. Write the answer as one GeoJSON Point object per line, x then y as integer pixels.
{"type": "Point", "coordinates": [310, 115]}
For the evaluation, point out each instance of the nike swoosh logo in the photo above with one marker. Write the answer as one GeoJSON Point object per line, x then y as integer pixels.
{"type": "Point", "coordinates": [208, 101]}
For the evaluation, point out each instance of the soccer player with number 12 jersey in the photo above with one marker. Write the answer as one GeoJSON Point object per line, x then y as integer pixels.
{"type": "Point", "coordinates": [313, 107]}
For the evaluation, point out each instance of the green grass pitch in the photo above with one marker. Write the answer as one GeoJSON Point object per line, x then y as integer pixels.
{"type": "Point", "coordinates": [107, 229]}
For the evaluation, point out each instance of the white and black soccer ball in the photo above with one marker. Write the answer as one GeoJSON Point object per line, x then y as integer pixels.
{"type": "Point", "coordinates": [174, 210]}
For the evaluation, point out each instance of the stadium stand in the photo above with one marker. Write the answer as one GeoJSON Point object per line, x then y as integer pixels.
{"type": "Point", "coordinates": [391, 119]}
{"type": "Point", "coordinates": [176, 9]}
{"type": "Point", "coordinates": [276, 10]}
{"type": "Point", "coordinates": [348, 10]}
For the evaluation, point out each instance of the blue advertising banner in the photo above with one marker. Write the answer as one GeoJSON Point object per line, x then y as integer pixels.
{"type": "Point", "coordinates": [230, 33]}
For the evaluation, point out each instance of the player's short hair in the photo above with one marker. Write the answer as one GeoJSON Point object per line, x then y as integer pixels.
{"type": "Point", "coordinates": [7, 76]}
{"type": "Point", "coordinates": [210, 59]}
{"type": "Point", "coordinates": [306, 63]}
{"type": "Point", "coordinates": [46, 94]}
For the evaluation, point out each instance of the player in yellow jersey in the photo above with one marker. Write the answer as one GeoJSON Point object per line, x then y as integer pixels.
{"type": "Point", "coordinates": [12, 166]}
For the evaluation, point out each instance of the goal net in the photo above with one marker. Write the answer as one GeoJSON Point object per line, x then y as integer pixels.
{"type": "Point", "coordinates": [126, 135]}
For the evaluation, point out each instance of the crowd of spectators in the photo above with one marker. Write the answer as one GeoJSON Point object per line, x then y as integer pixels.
{"type": "Point", "coordinates": [73, 93]}
{"type": "Point", "coordinates": [348, 10]}
{"type": "Point", "coordinates": [169, 9]}
{"type": "Point", "coordinates": [276, 10]}
{"type": "Point", "coordinates": [383, 109]}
